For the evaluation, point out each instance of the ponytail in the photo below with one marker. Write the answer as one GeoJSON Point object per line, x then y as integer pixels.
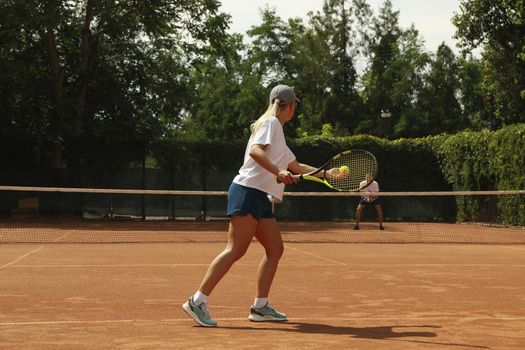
{"type": "Point", "coordinates": [273, 110]}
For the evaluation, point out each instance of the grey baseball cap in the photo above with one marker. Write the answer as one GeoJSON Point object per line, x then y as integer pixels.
{"type": "Point", "coordinates": [284, 93]}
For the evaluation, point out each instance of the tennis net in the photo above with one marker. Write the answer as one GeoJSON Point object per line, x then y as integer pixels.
{"type": "Point", "coordinates": [82, 215]}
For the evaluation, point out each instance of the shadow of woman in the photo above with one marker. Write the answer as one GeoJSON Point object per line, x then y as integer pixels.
{"type": "Point", "coordinates": [380, 332]}
{"type": "Point", "coordinates": [394, 333]}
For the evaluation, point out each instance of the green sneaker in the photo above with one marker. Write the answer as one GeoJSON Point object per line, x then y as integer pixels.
{"type": "Point", "coordinates": [264, 314]}
{"type": "Point", "coordinates": [199, 313]}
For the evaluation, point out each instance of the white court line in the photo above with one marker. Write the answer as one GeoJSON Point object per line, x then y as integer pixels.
{"type": "Point", "coordinates": [20, 258]}
{"type": "Point", "coordinates": [446, 265]}
{"type": "Point", "coordinates": [518, 247]}
{"type": "Point", "coordinates": [59, 239]}
{"type": "Point", "coordinates": [291, 319]}
{"type": "Point", "coordinates": [56, 266]}
{"type": "Point", "coordinates": [51, 266]}
{"type": "Point", "coordinates": [80, 266]}
{"type": "Point", "coordinates": [316, 256]}
{"type": "Point", "coordinates": [39, 323]}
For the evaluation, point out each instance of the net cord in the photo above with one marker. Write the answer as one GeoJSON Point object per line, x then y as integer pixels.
{"type": "Point", "coordinates": [222, 193]}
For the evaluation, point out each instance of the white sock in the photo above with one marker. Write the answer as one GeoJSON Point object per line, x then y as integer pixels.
{"type": "Point", "coordinates": [199, 298]}
{"type": "Point", "coordinates": [260, 302]}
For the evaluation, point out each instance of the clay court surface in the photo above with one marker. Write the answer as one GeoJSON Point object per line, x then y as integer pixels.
{"type": "Point", "coordinates": [337, 296]}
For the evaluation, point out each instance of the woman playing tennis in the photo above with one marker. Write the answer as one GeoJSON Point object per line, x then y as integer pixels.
{"type": "Point", "coordinates": [260, 182]}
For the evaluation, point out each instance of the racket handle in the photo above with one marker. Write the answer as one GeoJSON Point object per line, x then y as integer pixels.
{"type": "Point", "coordinates": [298, 177]}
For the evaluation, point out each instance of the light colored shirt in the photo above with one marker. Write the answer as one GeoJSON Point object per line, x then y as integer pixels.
{"type": "Point", "coordinates": [373, 187]}
{"type": "Point", "coordinates": [252, 174]}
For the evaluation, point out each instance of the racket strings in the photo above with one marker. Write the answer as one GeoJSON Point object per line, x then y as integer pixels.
{"type": "Point", "coordinates": [360, 165]}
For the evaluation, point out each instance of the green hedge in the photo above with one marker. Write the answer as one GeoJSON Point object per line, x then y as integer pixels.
{"type": "Point", "coordinates": [465, 161]}
{"type": "Point", "coordinates": [507, 166]}
{"type": "Point", "coordinates": [486, 160]}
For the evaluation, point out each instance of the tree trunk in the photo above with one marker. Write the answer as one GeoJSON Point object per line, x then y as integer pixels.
{"type": "Point", "coordinates": [83, 71]}
{"type": "Point", "coordinates": [58, 80]}
{"type": "Point", "coordinates": [62, 112]}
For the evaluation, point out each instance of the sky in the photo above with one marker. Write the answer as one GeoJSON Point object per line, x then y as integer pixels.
{"type": "Point", "coordinates": [432, 18]}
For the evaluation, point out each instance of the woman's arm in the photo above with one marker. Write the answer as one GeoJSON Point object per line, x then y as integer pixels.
{"type": "Point", "coordinates": [300, 168]}
{"type": "Point", "coordinates": [258, 153]}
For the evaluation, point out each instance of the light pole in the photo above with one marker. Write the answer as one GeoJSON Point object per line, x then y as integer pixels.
{"type": "Point", "coordinates": [385, 115]}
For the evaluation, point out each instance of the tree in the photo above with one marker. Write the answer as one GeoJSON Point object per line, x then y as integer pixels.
{"type": "Point", "coordinates": [498, 28]}
{"type": "Point", "coordinates": [231, 85]}
{"type": "Point", "coordinates": [409, 68]}
{"type": "Point", "coordinates": [270, 49]}
{"type": "Point", "coordinates": [336, 26]}
{"type": "Point", "coordinates": [309, 61]}
{"type": "Point", "coordinates": [437, 102]}
{"type": "Point", "coordinates": [228, 95]}
{"type": "Point", "coordinates": [25, 91]}
{"type": "Point", "coordinates": [394, 77]}
{"type": "Point", "coordinates": [382, 48]}
{"type": "Point", "coordinates": [476, 103]}
{"type": "Point", "coordinates": [112, 71]}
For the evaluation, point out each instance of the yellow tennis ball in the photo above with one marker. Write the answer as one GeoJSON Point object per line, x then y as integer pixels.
{"type": "Point", "coordinates": [344, 169]}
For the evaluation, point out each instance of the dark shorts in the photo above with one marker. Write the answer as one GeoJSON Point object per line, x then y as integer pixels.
{"type": "Point", "coordinates": [376, 201]}
{"type": "Point", "coordinates": [244, 200]}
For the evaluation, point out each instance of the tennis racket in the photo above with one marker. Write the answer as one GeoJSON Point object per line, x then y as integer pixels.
{"type": "Point", "coordinates": [346, 171]}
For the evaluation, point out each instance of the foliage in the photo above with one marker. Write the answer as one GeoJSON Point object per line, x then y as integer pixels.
{"type": "Point", "coordinates": [465, 165]}
{"type": "Point", "coordinates": [101, 85]}
{"type": "Point", "coordinates": [507, 164]}
{"type": "Point", "coordinates": [327, 131]}
{"type": "Point", "coordinates": [394, 78]}
{"type": "Point", "coordinates": [498, 28]}
{"type": "Point", "coordinates": [437, 102]}
{"type": "Point", "coordinates": [477, 105]}
{"type": "Point", "coordinates": [75, 72]}
{"type": "Point", "coordinates": [337, 25]}
{"type": "Point", "coordinates": [486, 161]}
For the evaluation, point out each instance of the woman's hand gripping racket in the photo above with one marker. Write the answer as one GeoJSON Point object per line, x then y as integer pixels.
{"type": "Point", "coordinates": [345, 171]}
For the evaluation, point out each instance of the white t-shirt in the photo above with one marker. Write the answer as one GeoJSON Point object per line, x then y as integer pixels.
{"type": "Point", "coordinates": [251, 174]}
{"type": "Point", "coordinates": [373, 187]}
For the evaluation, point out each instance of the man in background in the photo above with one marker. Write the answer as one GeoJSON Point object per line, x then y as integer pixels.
{"type": "Point", "coordinates": [367, 199]}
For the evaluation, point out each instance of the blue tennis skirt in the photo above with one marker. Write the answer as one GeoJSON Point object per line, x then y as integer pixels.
{"type": "Point", "coordinates": [244, 200]}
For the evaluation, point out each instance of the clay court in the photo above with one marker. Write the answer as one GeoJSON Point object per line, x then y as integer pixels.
{"type": "Point", "coordinates": [358, 295]}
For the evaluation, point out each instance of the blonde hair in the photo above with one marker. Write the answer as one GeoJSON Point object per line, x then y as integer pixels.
{"type": "Point", "coordinates": [273, 110]}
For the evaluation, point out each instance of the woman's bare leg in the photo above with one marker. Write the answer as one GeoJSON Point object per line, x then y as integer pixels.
{"type": "Point", "coordinates": [240, 235]}
{"type": "Point", "coordinates": [269, 235]}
